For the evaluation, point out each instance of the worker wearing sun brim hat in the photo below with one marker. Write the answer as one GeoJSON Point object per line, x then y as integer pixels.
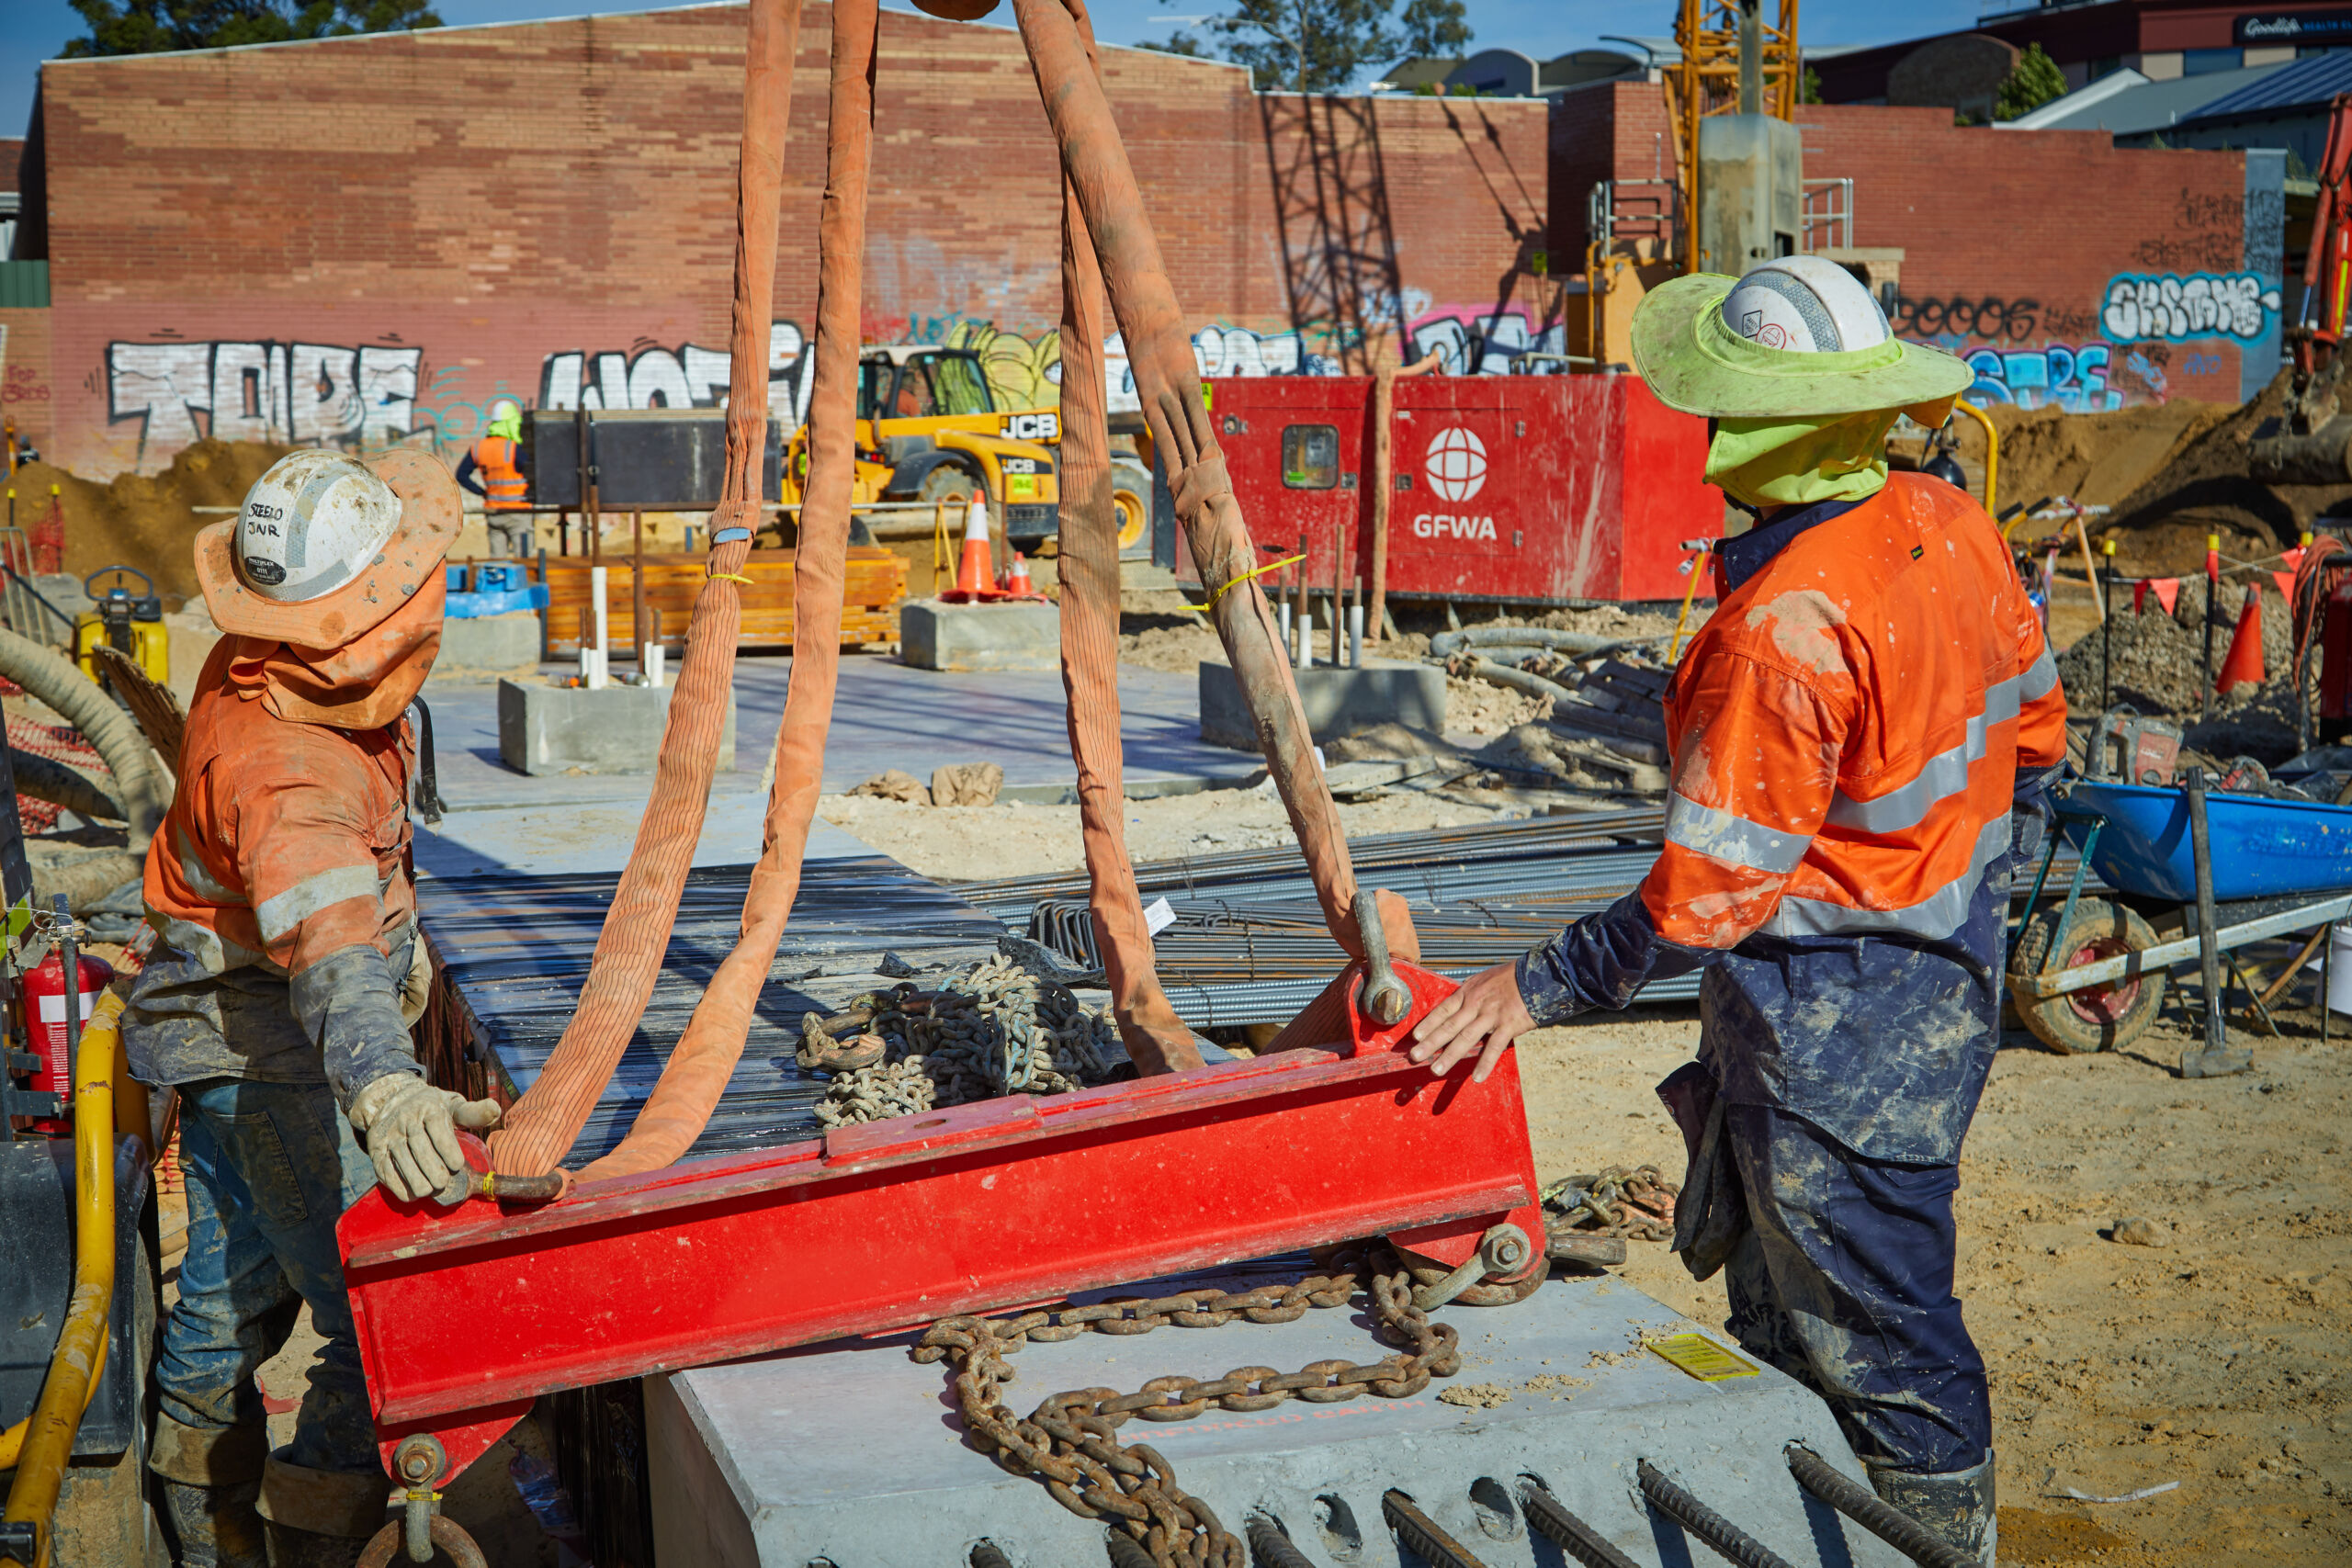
{"type": "Point", "coordinates": [278, 1000]}
{"type": "Point", "coordinates": [1861, 734]}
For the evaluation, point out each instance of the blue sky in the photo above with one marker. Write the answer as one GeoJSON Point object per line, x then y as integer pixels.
{"type": "Point", "coordinates": [33, 30]}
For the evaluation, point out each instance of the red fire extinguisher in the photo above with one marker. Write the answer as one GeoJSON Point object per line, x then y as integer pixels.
{"type": "Point", "coordinates": [40, 1023]}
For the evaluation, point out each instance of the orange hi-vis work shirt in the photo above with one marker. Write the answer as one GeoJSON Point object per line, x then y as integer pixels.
{"type": "Point", "coordinates": [1857, 733]}
{"type": "Point", "coordinates": [285, 858]}
{"type": "Point", "coordinates": [504, 488]}
{"type": "Point", "coordinates": [1848, 727]}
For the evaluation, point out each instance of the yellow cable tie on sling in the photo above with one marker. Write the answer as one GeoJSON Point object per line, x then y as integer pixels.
{"type": "Point", "coordinates": [730, 577]}
{"type": "Point", "coordinates": [1258, 572]}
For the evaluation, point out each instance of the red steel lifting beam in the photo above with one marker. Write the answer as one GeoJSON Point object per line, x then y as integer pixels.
{"type": "Point", "coordinates": [465, 1317]}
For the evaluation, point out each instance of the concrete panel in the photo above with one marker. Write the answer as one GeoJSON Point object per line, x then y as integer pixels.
{"type": "Point", "coordinates": [1338, 702]}
{"type": "Point", "coordinates": [558, 729]}
{"type": "Point", "coordinates": [932, 636]}
{"type": "Point", "coordinates": [853, 1453]}
{"type": "Point", "coordinates": [488, 645]}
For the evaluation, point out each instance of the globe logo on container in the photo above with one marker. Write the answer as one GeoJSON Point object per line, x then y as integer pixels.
{"type": "Point", "coordinates": [1457, 464]}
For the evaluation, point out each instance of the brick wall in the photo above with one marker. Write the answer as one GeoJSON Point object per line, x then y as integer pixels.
{"type": "Point", "coordinates": [2017, 244]}
{"type": "Point", "coordinates": [358, 238]}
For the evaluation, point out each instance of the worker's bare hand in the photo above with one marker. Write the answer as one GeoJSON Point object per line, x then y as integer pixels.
{"type": "Point", "coordinates": [1485, 1016]}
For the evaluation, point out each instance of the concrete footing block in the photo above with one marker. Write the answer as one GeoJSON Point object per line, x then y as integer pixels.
{"type": "Point", "coordinates": [489, 644]}
{"type": "Point", "coordinates": [932, 636]}
{"type": "Point", "coordinates": [559, 729]}
{"type": "Point", "coordinates": [1338, 702]}
{"type": "Point", "coordinates": [853, 1454]}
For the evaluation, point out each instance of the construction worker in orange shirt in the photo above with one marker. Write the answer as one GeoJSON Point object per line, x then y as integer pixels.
{"type": "Point", "coordinates": [492, 469]}
{"type": "Point", "coordinates": [278, 1001]}
{"type": "Point", "coordinates": [1862, 737]}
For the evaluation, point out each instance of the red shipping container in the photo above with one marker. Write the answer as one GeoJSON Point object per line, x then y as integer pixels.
{"type": "Point", "coordinates": [1529, 489]}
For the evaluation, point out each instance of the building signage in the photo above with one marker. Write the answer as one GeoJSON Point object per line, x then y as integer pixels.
{"type": "Point", "coordinates": [2272, 28]}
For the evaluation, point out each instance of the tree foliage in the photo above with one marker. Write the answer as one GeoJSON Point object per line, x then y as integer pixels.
{"type": "Point", "coordinates": [155, 27]}
{"type": "Point", "coordinates": [2035, 81]}
{"type": "Point", "coordinates": [1322, 46]}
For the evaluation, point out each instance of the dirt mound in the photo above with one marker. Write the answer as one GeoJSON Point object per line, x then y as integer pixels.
{"type": "Point", "coordinates": [147, 521]}
{"type": "Point", "coordinates": [2097, 458]}
{"type": "Point", "coordinates": [2157, 667]}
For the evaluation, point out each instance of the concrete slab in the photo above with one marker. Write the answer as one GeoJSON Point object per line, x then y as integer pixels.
{"type": "Point", "coordinates": [932, 636]}
{"type": "Point", "coordinates": [886, 714]}
{"type": "Point", "coordinates": [564, 730]}
{"type": "Point", "coordinates": [853, 1454]}
{"type": "Point", "coordinates": [488, 645]}
{"type": "Point", "coordinates": [1338, 702]}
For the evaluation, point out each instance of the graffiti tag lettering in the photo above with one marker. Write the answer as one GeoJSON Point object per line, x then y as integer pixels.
{"type": "Point", "coordinates": [361, 398]}
{"type": "Point", "coordinates": [2071, 378]}
{"type": "Point", "coordinates": [2172, 308]}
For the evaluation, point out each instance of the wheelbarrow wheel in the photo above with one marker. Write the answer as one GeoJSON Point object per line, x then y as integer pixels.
{"type": "Point", "coordinates": [2097, 1018]}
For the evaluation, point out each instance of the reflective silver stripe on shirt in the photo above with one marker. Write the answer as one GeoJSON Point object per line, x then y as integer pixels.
{"type": "Point", "coordinates": [1734, 841]}
{"type": "Point", "coordinates": [280, 915]}
{"type": "Point", "coordinates": [1945, 774]}
{"type": "Point", "coordinates": [216, 952]}
{"type": "Point", "coordinates": [1936, 916]}
{"type": "Point", "coordinates": [193, 871]}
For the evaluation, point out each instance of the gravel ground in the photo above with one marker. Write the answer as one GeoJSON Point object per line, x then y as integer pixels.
{"type": "Point", "coordinates": [2157, 663]}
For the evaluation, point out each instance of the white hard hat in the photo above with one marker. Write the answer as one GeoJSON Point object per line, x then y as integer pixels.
{"type": "Point", "coordinates": [1805, 305]}
{"type": "Point", "coordinates": [311, 525]}
{"type": "Point", "coordinates": [506, 408]}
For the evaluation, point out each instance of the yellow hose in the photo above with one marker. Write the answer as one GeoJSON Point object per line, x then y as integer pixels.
{"type": "Point", "coordinates": [73, 1369]}
{"type": "Point", "coordinates": [1991, 461]}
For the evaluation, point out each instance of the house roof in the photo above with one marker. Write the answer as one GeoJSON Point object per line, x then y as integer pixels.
{"type": "Point", "coordinates": [2308, 83]}
{"type": "Point", "coordinates": [2127, 104]}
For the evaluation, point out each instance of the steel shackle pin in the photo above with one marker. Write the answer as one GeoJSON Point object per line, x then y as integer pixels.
{"type": "Point", "coordinates": [1501, 1252]}
{"type": "Point", "coordinates": [1386, 998]}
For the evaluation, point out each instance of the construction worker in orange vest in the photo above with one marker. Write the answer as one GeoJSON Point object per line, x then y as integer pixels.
{"type": "Point", "coordinates": [278, 1001]}
{"type": "Point", "coordinates": [491, 468]}
{"type": "Point", "coordinates": [1862, 735]}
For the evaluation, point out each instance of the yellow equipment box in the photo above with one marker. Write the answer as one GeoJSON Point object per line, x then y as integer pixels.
{"type": "Point", "coordinates": [131, 622]}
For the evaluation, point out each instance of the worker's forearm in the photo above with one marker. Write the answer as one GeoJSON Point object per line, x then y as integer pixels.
{"type": "Point", "coordinates": [348, 1004]}
{"type": "Point", "coordinates": [1601, 961]}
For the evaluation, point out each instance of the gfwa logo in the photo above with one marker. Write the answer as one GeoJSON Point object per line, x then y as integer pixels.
{"type": "Point", "coordinates": [1457, 464]}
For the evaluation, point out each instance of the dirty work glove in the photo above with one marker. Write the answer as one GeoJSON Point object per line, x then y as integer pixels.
{"type": "Point", "coordinates": [411, 1130]}
{"type": "Point", "coordinates": [417, 986]}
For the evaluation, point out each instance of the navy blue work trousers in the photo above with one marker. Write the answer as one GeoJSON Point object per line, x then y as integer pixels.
{"type": "Point", "coordinates": [1843, 1280]}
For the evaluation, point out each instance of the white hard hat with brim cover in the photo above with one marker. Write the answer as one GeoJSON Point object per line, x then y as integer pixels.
{"type": "Point", "coordinates": [1694, 362]}
{"type": "Point", "coordinates": [430, 513]}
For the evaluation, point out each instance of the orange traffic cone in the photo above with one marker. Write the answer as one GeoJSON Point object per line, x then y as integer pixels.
{"type": "Point", "coordinates": [1017, 580]}
{"type": "Point", "coordinates": [972, 574]}
{"type": "Point", "coordinates": [2245, 663]}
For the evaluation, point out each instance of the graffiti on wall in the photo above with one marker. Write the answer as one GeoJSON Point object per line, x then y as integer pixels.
{"type": "Point", "coordinates": [304, 393]}
{"type": "Point", "coordinates": [649, 376]}
{"type": "Point", "coordinates": [2171, 308]}
{"type": "Point", "coordinates": [2053, 375]}
{"type": "Point", "coordinates": [368, 396]}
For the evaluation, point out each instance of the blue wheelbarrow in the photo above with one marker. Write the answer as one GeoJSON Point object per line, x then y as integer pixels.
{"type": "Point", "coordinates": [2090, 975]}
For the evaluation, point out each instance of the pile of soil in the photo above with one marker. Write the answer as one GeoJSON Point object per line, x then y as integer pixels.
{"type": "Point", "coordinates": [2157, 667]}
{"type": "Point", "coordinates": [2097, 460]}
{"type": "Point", "coordinates": [146, 521]}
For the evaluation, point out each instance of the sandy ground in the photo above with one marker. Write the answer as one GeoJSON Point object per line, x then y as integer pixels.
{"type": "Point", "coordinates": [963, 843]}
{"type": "Point", "coordinates": [2217, 1361]}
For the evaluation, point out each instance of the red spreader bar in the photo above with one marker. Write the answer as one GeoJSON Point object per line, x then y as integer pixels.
{"type": "Point", "coordinates": [465, 1317]}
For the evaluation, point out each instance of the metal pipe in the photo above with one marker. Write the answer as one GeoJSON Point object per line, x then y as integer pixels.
{"type": "Point", "coordinates": [1584, 644]}
{"type": "Point", "coordinates": [80, 1357]}
{"type": "Point", "coordinates": [1383, 482]}
{"type": "Point", "coordinates": [1549, 1518]}
{"type": "Point", "coordinates": [2209, 948]}
{"type": "Point", "coordinates": [1420, 1532]}
{"type": "Point", "coordinates": [1873, 1513]}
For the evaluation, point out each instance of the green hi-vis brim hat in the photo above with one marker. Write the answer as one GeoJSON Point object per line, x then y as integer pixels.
{"type": "Point", "coordinates": [1695, 362]}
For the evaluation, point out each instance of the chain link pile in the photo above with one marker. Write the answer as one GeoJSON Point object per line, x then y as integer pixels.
{"type": "Point", "coordinates": [994, 1029]}
{"type": "Point", "coordinates": [1071, 1441]}
{"type": "Point", "coordinates": [1637, 1202]}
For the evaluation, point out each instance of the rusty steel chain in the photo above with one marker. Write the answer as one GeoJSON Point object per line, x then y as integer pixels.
{"type": "Point", "coordinates": [994, 1029]}
{"type": "Point", "coordinates": [1070, 1440]}
{"type": "Point", "coordinates": [1621, 1201]}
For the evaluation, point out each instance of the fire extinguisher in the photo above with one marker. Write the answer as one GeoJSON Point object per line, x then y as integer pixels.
{"type": "Point", "coordinates": [40, 1023]}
